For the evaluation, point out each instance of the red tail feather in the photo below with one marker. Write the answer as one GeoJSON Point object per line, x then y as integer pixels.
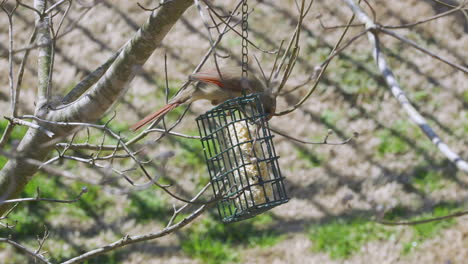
{"type": "Point", "coordinates": [153, 116]}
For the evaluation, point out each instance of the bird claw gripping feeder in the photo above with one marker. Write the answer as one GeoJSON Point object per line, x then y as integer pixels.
{"type": "Point", "coordinates": [241, 158]}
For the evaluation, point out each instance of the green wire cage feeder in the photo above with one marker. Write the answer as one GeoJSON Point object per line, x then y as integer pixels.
{"type": "Point", "coordinates": [241, 158]}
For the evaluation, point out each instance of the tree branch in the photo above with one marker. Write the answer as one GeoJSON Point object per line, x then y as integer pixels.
{"type": "Point", "coordinates": [134, 54]}
{"type": "Point", "coordinates": [398, 92]}
{"type": "Point", "coordinates": [33, 254]}
{"type": "Point", "coordinates": [44, 58]}
{"type": "Point", "coordinates": [89, 80]}
{"type": "Point", "coordinates": [127, 240]}
{"type": "Point", "coordinates": [89, 108]}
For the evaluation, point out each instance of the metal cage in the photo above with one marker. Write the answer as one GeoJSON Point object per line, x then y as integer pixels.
{"type": "Point", "coordinates": [241, 158]}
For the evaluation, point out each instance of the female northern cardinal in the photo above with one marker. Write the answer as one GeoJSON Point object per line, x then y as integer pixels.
{"type": "Point", "coordinates": [216, 86]}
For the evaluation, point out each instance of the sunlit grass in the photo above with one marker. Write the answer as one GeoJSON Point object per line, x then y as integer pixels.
{"type": "Point", "coordinates": [342, 238]}
{"type": "Point", "coordinates": [214, 242]}
{"type": "Point", "coordinates": [422, 232]}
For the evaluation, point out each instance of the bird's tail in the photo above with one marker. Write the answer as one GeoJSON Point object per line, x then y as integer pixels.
{"type": "Point", "coordinates": [154, 116]}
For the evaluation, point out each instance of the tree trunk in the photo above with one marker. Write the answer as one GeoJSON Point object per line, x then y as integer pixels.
{"type": "Point", "coordinates": [92, 105]}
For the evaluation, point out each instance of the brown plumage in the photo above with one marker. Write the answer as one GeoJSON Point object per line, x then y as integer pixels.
{"type": "Point", "coordinates": [216, 87]}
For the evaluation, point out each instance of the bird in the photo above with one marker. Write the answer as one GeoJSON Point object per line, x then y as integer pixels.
{"type": "Point", "coordinates": [216, 85]}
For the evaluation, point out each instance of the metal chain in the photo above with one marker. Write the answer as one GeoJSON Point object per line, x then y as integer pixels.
{"type": "Point", "coordinates": [245, 36]}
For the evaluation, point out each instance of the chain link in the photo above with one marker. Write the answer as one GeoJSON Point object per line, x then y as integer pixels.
{"type": "Point", "coordinates": [245, 36]}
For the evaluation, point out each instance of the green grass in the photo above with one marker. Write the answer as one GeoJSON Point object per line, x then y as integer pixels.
{"type": "Point", "coordinates": [428, 180]}
{"type": "Point", "coordinates": [354, 81]}
{"type": "Point", "coordinates": [314, 160]}
{"type": "Point", "coordinates": [465, 124]}
{"type": "Point", "coordinates": [192, 152]}
{"type": "Point", "coordinates": [420, 96]}
{"type": "Point", "coordinates": [113, 125]}
{"type": "Point", "coordinates": [465, 96]}
{"type": "Point", "coordinates": [17, 134]}
{"type": "Point", "coordinates": [402, 136]}
{"type": "Point", "coordinates": [214, 242]}
{"type": "Point", "coordinates": [391, 144]}
{"type": "Point", "coordinates": [422, 232]}
{"type": "Point", "coordinates": [148, 205]}
{"type": "Point", "coordinates": [28, 216]}
{"type": "Point", "coordinates": [342, 238]}
{"type": "Point", "coordinates": [3, 161]}
{"type": "Point", "coordinates": [18, 131]}
{"type": "Point", "coordinates": [330, 117]}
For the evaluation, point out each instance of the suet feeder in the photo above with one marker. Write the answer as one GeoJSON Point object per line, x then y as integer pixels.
{"type": "Point", "coordinates": [241, 158]}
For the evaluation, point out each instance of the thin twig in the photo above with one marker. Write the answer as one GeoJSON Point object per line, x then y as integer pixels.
{"type": "Point", "coordinates": [42, 240]}
{"type": "Point", "coordinates": [423, 221]}
{"type": "Point", "coordinates": [330, 57]}
{"type": "Point", "coordinates": [31, 253]}
{"type": "Point", "coordinates": [213, 11]}
{"type": "Point", "coordinates": [424, 50]}
{"type": "Point", "coordinates": [10, 14]}
{"type": "Point", "coordinates": [449, 12]}
{"type": "Point", "coordinates": [10, 126]}
{"type": "Point", "coordinates": [163, 2]}
{"type": "Point", "coordinates": [54, 6]}
{"type": "Point", "coordinates": [320, 75]}
{"type": "Point", "coordinates": [39, 199]}
{"type": "Point", "coordinates": [18, 121]}
{"type": "Point", "coordinates": [323, 142]}
{"type": "Point", "coordinates": [127, 240]}
{"type": "Point", "coordinates": [30, 8]}
{"type": "Point", "coordinates": [325, 27]}
{"type": "Point", "coordinates": [19, 78]}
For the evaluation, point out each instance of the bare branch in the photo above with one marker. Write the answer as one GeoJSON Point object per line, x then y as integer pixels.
{"type": "Point", "coordinates": [9, 14]}
{"type": "Point", "coordinates": [424, 50]}
{"type": "Point", "coordinates": [323, 142]}
{"type": "Point", "coordinates": [42, 240]}
{"type": "Point", "coordinates": [6, 134]}
{"type": "Point", "coordinates": [30, 8]}
{"type": "Point", "coordinates": [87, 146]}
{"type": "Point", "coordinates": [89, 80]}
{"type": "Point", "coordinates": [10, 126]}
{"type": "Point", "coordinates": [17, 121]}
{"type": "Point", "coordinates": [31, 253]}
{"type": "Point", "coordinates": [127, 240]}
{"type": "Point", "coordinates": [443, 3]}
{"type": "Point", "coordinates": [19, 78]}
{"type": "Point", "coordinates": [398, 93]}
{"type": "Point", "coordinates": [423, 221]}
{"type": "Point", "coordinates": [45, 54]}
{"type": "Point", "coordinates": [319, 17]}
{"type": "Point", "coordinates": [39, 199]}
{"type": "Point", "coordinates": [449, 12]}
{"type": "Point", "coordinates": [162, 2]}
{"type": "Point", "coordinates": [213, 11]}
{"type": "Point", "coordinates": [5, 216]}
{"type": "Point", "coordinates": [320, 75]}
{"type": "Point", "coordinates": [55, 6]}
{"type": "Point", "coordinates": [178, 211]}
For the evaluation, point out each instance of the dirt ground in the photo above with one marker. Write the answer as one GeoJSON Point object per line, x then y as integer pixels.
{"type": "Point", "coordinates": [375, 172]}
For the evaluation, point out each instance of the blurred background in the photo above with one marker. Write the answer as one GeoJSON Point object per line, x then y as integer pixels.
{"type": "Point", "coordinates": [335, 191]}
